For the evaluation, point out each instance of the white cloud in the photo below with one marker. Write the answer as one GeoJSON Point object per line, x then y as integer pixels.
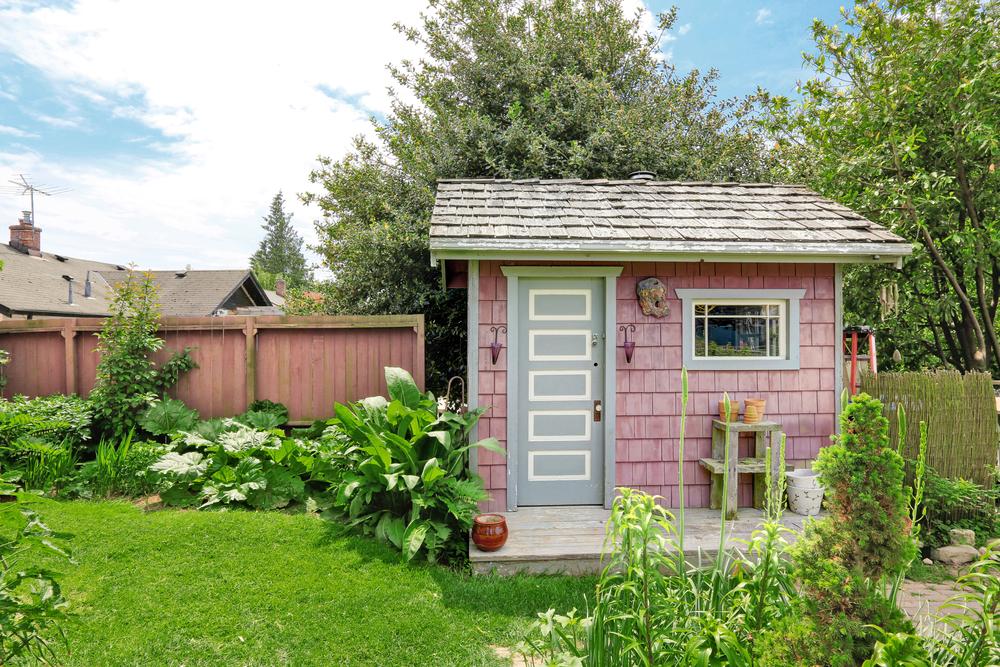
{"type": "Point", "coordinates": [15, 132]}
{"type": "Point", "coordinates": [762, 16]}
{"type": "Point", "coordinates": [60, 122]}
{"type": "Point", "coordinates": [234, 92]}
{"type": "Point", "coordinates": [683, 30]}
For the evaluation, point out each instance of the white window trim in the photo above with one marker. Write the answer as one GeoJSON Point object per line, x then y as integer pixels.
{"type": "Point", "coordinates": [791, 330]}
{"type": "Point", "coordinates": [782, 318]}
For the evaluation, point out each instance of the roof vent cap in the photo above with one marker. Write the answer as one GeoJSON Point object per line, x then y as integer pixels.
{"type": "Point", "coordinates": [61, 258]}
{"type": "Point", "coordinates": [642, 176]}
{"type": "Point", "coordinates": [181, 274]}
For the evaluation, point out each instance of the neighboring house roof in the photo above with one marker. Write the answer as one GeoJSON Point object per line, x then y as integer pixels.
{"type": "Point", "coordinates": [34, 285]}
{"type": "Point", "coordinates": [648, 219]}
{"type": "Point", "coordinates": [202, 293]}
{"type": "Point", "coordinates": [276, 299]}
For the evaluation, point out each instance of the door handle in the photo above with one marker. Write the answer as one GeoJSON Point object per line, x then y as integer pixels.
{"type": "Point", "coordinates": [597, 411]}
{"type": "Point", "coordinates": [593, 341]}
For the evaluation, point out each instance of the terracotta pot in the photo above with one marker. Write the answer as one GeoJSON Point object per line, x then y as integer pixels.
{"type": "Point", "coordinates": [489, 531]}
{"type": "Point", "coordinates": [757, 403]}
{"type": "Point", "coordinates": [734, 407]}
{"type": "Point", "coordinates": [750, 415]}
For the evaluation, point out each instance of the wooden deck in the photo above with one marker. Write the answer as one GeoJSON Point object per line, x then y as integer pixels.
{"type": "Point", "coordinates": [570, 540]}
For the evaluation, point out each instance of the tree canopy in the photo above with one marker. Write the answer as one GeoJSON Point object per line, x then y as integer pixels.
{"type": "Point", "coordinates": [901, 124]}
{"type": "Point", "coordinates": [511, 89]}
{"type": "Point", "coordinates": [280, 252]}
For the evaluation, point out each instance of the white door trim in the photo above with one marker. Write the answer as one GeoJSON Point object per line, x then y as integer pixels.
{"type": "Point", "coordinates": [610, 275]}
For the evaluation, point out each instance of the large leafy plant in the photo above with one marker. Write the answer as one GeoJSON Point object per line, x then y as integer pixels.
{"type": "Point", "coordinates": [164, 417]}
{"type": "Point", "coordinates": [229, 463]}
{"type": "Point", "coordinates": [127, 380]}
{"type": "Point", "coordinates": [72, 413]}
{"type": "Point", "coordinates": [409, 484]}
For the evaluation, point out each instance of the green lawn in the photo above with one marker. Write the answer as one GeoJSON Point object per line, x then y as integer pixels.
{"type": "Point", "coordinates": [239, 588]}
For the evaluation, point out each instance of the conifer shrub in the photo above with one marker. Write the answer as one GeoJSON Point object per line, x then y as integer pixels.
{"type": "Point", "coordinates": [842, 561]}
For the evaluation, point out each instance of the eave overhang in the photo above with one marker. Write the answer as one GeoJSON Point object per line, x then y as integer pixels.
{"type": "Point", "coordinates": [667, 251]}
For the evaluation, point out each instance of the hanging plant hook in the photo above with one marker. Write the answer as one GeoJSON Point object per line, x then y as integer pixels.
{"type": "Point", "coordinates": [629, 344]}
{"type": "Point", "coordinates": [496, 346]}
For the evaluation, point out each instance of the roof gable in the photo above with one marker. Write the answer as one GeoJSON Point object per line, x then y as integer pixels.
{"type": "Point", "coordinates": [198, 293]}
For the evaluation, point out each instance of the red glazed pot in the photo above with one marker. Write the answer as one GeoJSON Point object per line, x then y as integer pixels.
{"type": "Point", "coordinates": [489, 531]}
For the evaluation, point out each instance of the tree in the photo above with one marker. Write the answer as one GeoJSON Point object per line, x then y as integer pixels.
{"type": "Point", "coordinates": [901, 124]}
{"type": "Point", "coordinates": [511, 89]}
{"type": "Point", "coordinates": [280, 253]}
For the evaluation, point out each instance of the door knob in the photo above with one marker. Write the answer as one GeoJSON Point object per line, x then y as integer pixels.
{"type": "Point", "coordinates": [597, 411]}
{"type": "Point", "coordinates": [593, 342]}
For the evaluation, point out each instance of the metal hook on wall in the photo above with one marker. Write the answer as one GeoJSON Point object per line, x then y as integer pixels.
{"type": "Point", "coordinates": [496, 346]}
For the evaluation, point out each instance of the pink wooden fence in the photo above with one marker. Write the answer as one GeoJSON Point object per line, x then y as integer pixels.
{"type": "Point", "coordinates": [306, 363]}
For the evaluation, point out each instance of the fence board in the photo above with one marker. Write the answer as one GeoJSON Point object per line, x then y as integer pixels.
{"type": "Point", "coordinates": [307, 363]}
{"type": "Point", "coordinates": [961, 416]}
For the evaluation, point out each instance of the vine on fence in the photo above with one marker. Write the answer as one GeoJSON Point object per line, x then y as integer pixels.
{"type": "Point", "coordinates": [127, 379]}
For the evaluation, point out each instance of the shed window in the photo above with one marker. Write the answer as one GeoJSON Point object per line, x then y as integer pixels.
{"type": "Point", "coordinates": [753, 329]}
{"type": "Point", "coordinates": [740, 329]}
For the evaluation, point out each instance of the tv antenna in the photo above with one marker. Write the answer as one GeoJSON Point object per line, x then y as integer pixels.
{"type": "Point", "coordinates": [22, 185]}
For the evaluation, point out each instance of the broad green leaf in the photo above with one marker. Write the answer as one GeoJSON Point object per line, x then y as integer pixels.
{"type": "Point", "coordinates": [183, 467]}
{"type": "Point", "coordinates": [401, 387]}
{"type": "Point", "coordinates": [413, 538]}
{"type": "Point", "coordinates": [394, 531]}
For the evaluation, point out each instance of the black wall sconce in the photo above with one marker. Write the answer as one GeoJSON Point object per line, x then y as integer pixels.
{"type": "Point", "coordinates": [629, 344]}
{"type": "Point", "coordinates": [496, 346]}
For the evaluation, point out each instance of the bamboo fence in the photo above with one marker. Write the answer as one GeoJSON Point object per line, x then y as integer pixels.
{"type": "Point", "coordinates": [961, 415]}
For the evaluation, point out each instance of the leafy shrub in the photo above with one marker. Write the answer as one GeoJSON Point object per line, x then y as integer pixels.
{"type": "Point", "coordinates": [265, 405]}
{"type": "Point", "coordinates": [409, 483]}
{"type": "Point", "coordinates": [241, 465]}
{"type": "Point", "coordinates": [72, 413]}
{"type": "Point", "coordinates": [264, 421]}
{"type": "Point", "coordinates": [945, 498]}
{"type": "Point", "coordinates": [127, 381]}
{"type": "Point", "coordinates": [32, 606]}
{"type": "Point", "coordinates": [165, 417]}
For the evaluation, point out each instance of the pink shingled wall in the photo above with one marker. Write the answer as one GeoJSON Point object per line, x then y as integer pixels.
{"type": "Point", "coordinates": [648, 389]}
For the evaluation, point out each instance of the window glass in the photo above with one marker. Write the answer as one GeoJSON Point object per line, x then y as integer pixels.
{"type": "Point", "coordinates": [738, 330]}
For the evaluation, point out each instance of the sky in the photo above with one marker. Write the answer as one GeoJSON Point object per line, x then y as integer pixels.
{"type": "Point", "coordinates": [173, 125]}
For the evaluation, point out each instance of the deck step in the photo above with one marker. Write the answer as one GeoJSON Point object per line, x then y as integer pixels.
{"type": "Point", "coordinates": [570, 540]}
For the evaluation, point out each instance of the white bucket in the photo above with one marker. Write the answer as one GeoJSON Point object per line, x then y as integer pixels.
{"type": "Point", "coordinates": [803, 479]}
{"type": "Point", "coordinates": [805, 501]}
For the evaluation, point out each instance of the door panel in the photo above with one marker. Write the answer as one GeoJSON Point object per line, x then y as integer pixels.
{"type": "Point", "coordinates": [561, 345]}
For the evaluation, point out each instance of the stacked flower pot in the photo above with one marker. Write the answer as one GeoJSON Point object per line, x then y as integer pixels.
{"type": "Point", "coordinates": [805, 495]}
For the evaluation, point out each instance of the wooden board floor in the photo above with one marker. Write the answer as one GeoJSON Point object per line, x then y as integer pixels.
{"type": "Point", "coordinates": [570, 540]}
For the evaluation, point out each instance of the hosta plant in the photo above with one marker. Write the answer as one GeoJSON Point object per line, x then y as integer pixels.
{"type": "Point", "coordinates": [409, 483]}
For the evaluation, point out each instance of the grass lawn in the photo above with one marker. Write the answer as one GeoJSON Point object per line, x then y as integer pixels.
{"type": "Point", "coordinates": [192, 588]}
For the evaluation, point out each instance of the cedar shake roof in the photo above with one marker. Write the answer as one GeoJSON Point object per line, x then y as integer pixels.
{"type": "Point", "coordinates": [648, 216]}
{"type": "Point", "coordinates": [201, 293]}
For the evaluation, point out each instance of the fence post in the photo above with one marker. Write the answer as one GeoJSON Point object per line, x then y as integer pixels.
{"type": "Point", "coordinates": [69, 333]}
{"type": "Point", "coordinates": [251, 359]}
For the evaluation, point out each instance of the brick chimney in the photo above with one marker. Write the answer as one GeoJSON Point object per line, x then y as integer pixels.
{"type": "Point", "coordinates": [279, 287]}
{"type": "Point", "coordinates": [25, 234]}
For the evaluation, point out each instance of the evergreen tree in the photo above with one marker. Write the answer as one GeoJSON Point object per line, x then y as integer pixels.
{"type": "Point", "coordinates": [280, 253]}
